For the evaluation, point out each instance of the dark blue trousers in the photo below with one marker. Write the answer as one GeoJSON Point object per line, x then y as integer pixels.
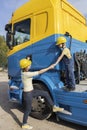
{"type": "Point", "coordinates": [27, 103]}
{"type": "Point", "coordinates": [69, 70]}
{"type": "Point", "coordinates": [27, 98]}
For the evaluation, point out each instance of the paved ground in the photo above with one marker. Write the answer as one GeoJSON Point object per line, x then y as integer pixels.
{"type": "Point", "coordinates": [11, 114]}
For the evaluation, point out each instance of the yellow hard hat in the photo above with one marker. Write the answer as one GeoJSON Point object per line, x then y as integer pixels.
{"type": "Point", "coordinates": [61, 40]}
{"type": "Point", "coordinates": [25, 63]}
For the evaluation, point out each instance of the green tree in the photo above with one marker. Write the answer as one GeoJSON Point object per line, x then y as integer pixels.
{"type": "Point", "coordinates": [3, 52]}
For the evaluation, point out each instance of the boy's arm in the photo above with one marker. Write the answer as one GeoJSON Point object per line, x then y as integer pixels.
{"type": "Point", "coordinates": [59, 59]}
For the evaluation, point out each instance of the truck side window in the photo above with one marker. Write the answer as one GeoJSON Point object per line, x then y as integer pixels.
{"type": "Point", "coordinates": [22, 32]}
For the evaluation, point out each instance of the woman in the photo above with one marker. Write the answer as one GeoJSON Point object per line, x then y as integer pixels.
{"type": "Point", "coordinates": [27, 77]}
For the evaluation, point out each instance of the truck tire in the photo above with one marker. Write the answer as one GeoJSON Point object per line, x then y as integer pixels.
{"type": "Point", "coordinates": [40, 108]}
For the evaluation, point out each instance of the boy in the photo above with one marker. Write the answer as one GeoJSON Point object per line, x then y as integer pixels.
{"type": "Point", "coordinates": [67, 59]}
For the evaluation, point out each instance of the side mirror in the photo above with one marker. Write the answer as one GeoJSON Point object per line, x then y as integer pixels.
{"type": "Point", "coordinates": [8, 41]}
{"type": "Point", "coordinates": [8, 27]}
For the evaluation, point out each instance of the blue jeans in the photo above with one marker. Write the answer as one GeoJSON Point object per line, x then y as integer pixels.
{"type": "Point", "coordinates": [27, 98]}
{"type": "Point", "coordinates": [27, 103]}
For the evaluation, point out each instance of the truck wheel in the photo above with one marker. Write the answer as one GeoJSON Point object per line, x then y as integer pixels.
{"type": "Point", "coordinates": [40, 108]}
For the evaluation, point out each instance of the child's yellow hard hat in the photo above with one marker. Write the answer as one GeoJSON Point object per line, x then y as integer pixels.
{"type": "Point", "coordinates": [61, 40]}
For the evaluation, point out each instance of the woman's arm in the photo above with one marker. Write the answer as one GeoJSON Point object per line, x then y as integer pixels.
{"type": "Point", "coordinates": [31, 74]}
{"type": "Point", "coordinates": [46, 69]}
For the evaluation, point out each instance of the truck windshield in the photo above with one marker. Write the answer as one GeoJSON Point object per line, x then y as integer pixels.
{"type": "Point", "coordinates": [21, 32]}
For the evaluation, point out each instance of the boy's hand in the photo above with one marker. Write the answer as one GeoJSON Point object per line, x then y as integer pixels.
{"type": "Point", "coordinates": [54, 64]}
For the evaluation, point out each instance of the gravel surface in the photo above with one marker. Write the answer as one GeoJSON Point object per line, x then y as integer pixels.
{"type": "Point", "coordinates": [11, 114]}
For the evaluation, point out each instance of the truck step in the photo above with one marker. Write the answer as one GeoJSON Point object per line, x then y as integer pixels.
{"type": "Point", "coordinates": [14, 100]}
{"type": "Point", "coordinates": [66, 112]}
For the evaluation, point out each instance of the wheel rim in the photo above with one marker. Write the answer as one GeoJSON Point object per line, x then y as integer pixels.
{"type": "Point", "coordinates": [40, 108]}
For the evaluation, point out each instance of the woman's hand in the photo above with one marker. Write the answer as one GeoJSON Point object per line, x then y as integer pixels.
{"type": "Point", "coordinates": [52, 66]}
